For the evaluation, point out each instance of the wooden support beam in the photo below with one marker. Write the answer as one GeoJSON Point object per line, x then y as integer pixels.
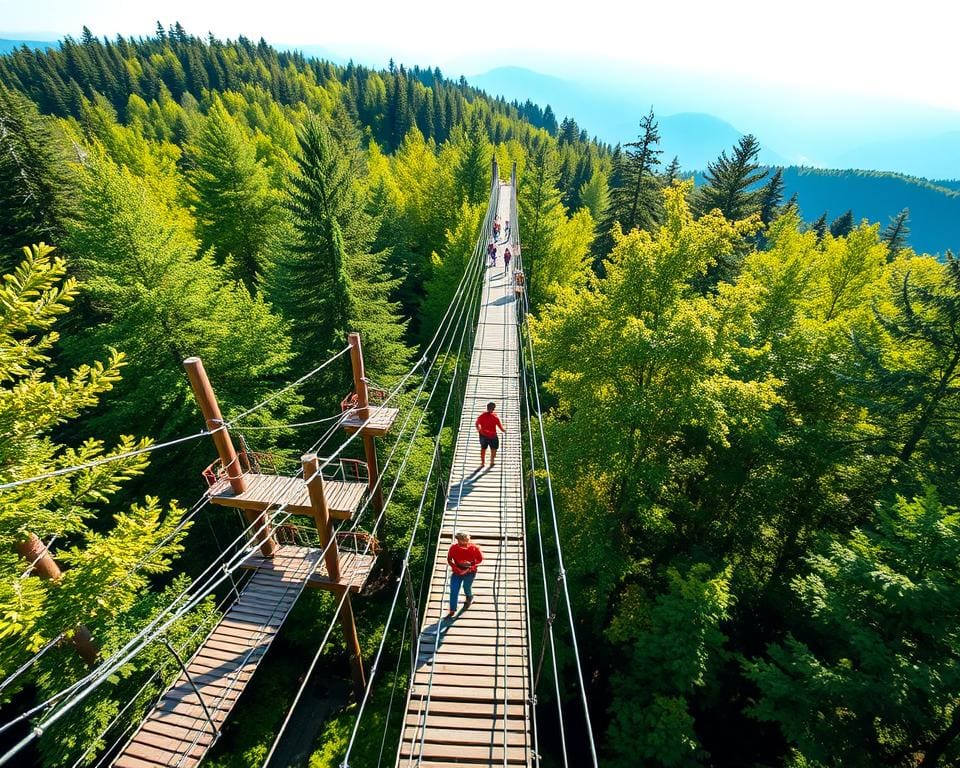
{"type": "Point", "coordinates": [42, 564]}
{"type": "Point", "coordinates": [349, 625]}
{"type": "Point", "coordinates": [363, 412]}
{"type": "Point", "coordinates": [210, 408]}
{"type": "Point", "coordinates": [321, 514]}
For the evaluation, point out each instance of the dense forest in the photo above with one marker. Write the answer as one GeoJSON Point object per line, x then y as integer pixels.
{"type": "Point", "coordinates": [752, 422]}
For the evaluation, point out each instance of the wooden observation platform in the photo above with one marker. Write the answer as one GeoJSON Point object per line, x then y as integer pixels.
{"type": "Point", "coordinates": [469, 700]}
{"type": "Point", "coordinates": [186, 721]}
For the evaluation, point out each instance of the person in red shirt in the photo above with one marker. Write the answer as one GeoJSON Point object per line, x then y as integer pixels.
{"type": "Point", "coordinates": [463, 557]}
{"type": "Point", "coordinates": [487, 425]}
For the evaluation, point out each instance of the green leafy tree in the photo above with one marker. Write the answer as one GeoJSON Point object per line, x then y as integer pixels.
{"type": "Point", "coordinates": [97, 584]}
{"type": "Point", "coordinates": [669, 646]}
{"type": "Point", "coordinates": [870, 676]}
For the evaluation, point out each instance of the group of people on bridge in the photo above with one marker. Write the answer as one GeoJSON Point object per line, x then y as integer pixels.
{"type": "Point", "coordinates": [492, 245]}
{"type": "Point", "coordinates": [464, 557]}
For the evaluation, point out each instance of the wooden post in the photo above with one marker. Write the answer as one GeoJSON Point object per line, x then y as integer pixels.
{"type": "Point", "coordinates": [363, 413]}
{"type": "Point", "coordinates": [321, 511]}
{"type": "Point", "coordinates": [513, 177]}
{"type": "Point", "coordinates": [321, 514]}
{"type": "Point", "coordinates": [43, 565]}
{"type": "Point", "coordinates": [349, 625]}
{"type": "Point", "coordinates": [210, 409]}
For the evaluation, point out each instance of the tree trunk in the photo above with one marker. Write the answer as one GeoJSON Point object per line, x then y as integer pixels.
{"type": "Point", "coordinates": [939, 745]}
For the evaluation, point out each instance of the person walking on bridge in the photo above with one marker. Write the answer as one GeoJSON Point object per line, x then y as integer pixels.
{"type": "Point", "coordinates": [463, 557]}
{"type": "Point", "coordinates": [487, 424]}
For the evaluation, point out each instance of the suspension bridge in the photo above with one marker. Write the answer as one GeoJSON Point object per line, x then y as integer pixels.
{"type": "Point", "coordinates": [471, 698]}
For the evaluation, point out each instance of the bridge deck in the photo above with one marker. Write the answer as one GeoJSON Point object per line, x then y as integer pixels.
{"type": "Point", "coordinates": [468, 701]}
{"type": "Point", "coordinates": [176, 732]}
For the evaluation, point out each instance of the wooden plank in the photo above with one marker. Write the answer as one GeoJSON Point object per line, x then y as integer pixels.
{"type": "Point", "coordinates": [488, 736]}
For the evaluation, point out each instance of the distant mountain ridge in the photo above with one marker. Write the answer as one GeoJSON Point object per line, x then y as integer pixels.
{"type": "Point", "coordinates": [877, 196]}
{"type": "Point", "coordinates": [612, 115]}
{"type": "Point", "coordinates": [6, 46]}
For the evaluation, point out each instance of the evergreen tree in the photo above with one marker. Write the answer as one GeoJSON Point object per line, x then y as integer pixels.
{"type": "Point", "coordinates": [635, 202]}
{"type": "Point", "coordinates": [36, 190]}
{"type": "Point", "coordinates": [897, 232]}
{"type": "Point", "coordinates": [472, 172]}
{"type": "Point", "coordinates": [820, 226]}
{"type": "Point", "coordinates": [234, 205]}
{"type": "Point", "coordinates": [842, 225]}
{"type": "Point", "coordinates": [730, 182]}
{"type": "Point", "coordinates": [771, 196]}
{"type": "Point", "coordinates": [328, 283]}
{"type": "Point", "coordinates": [538, 202]}
{"type": "Point", "coordinates": [158, 301]}
{"type": "Point", "coordinates": [672, 172]}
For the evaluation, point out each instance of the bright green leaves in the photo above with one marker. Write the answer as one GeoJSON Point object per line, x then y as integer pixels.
{"type": "Point", "coordinates": [872, 674]}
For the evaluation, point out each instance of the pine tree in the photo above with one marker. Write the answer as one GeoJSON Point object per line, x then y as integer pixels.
{"type": "Point", "coordinates": [820, 226]}
{"type": "Point", "coordinates": [842, 225]}
{"type": "Point", "coordinates": [234, 205]}
{"type": "Point", "coordinates": [472, 173]}
{"type": "Point", "coordinates": [36, 190]}
{"type": "Point", "coordinates": [672, 172]}
{"type": "Point", "coordinates": [328, 282]}
{"type": "Point", "coordinates": [731, 181]}
{"type": "Point", "coordinates": [636, 202]}
{"type": "Point", "coordinates": [158, 301]}
{"type": "Point", "coordinates": [771, 196]}
{"type": "Point", "coordinates": [897, 232]}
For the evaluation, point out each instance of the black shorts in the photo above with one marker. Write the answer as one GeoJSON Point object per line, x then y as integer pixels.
{"type": "Point", "coordinates": [490, 442]}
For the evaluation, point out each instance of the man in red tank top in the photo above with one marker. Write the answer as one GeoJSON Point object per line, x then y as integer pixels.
{"type": "Point", "coordinates": [487, 425]}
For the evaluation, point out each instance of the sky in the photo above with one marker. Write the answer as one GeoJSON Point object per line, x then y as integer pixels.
{"type": "Point", "coordinates": [902, 52]}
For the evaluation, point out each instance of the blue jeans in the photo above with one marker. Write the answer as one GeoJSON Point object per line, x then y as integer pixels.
{"type": "Point", "coordinates": [455, 581]}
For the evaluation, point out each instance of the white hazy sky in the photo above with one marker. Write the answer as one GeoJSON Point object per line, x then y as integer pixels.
{"type": "Point", "coordinates": [900, 50]}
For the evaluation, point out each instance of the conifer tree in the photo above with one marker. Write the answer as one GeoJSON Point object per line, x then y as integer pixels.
{"type": "Point", "coordinates": [771, 196]}
{"type": "Point", "coordinates": [472, 173]}
{"type": "Point", "coordinates": [842, 225]}
{"type": "Point", "coordinates": [233, 203]}
{"type": "Point", "coordinates": [672, 172]}
{"type": "Point", "coordinates": [538, 201]}
{"type": "Point", "coordinates": [635, 202]}
{"type": "Point", "coordinates": [820, 226]}
{"type": "Point", "coordinates": [36, 190]}
{"type": "Point", "coordinates": [730, 182]}
{"type": "Point", "coordinates": [328, 282]}
{"type": "Point", "coordinates": [158, 301]}
{"type": "Point", "coordinates": [897, 232]}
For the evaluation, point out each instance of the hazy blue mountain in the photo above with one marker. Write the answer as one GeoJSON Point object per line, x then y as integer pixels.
{"type": "Point", "coordinates": [875, 196]}
{"type": "Point", "coordinates": [809, 129]}
{"type": "Point", "coordinates": [6, 46]}
{"type": "Point", "coordinates": [695, 137]}
{"type": "Point", "coordinates": [928, 157]}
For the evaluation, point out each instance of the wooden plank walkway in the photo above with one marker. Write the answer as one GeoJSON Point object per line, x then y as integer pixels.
{"type": "Point", "coordinates": [269, 491]}
{"type": "Point", "coordinates": [468, 703]}
{"type": "Point", "coordinates": [177, 732]}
